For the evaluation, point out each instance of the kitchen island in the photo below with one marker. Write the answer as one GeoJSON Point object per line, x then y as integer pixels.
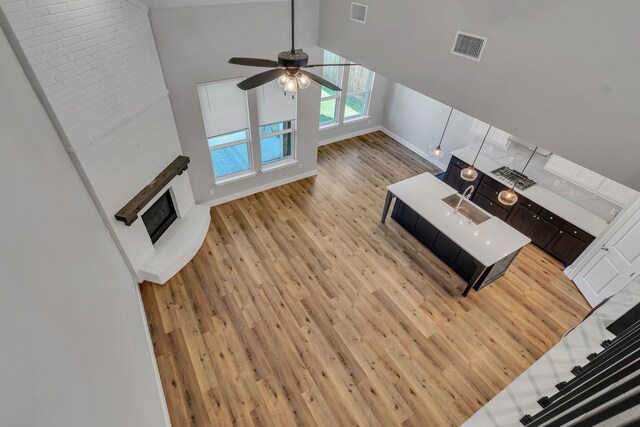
{"type": "Point", "coordinates": [476, 245]}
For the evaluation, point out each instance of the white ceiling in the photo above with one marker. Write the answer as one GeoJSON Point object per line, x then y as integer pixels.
{"type": "Point", "coordinates": [183, 3]}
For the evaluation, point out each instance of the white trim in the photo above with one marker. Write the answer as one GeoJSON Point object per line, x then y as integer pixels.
{"type": "Point", "coordinates": [413, 148]}
{"type": "Point", "coordinates": [260, 188]}
{"type": "Point", "coordinates": [280, 164]}
{"type": "Point", "coordinates": [356, 119]}
{"type": "Point", "coordinates": [348, 135]}
{"type": "Point", "coordinates": [235, 177]}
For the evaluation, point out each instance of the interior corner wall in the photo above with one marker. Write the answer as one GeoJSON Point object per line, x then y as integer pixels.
{"type": "Point", "coordinates": [96, 64]}
{"type": "Point", "coordinates": [75, 346]}
{"type": "Point", "coordinates": [195, 43]}
{"type": "Point", "coordinates": [418, 122]}
{"type": "Point", "coordinates": [373, 122]}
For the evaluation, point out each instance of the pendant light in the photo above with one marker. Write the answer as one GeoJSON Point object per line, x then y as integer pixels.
{"type": "Point", "coordinates": [437, 151]}
{"type": "Point", "coordinates": [470, 173]}
{"type": "Point", "coordinates": [509, 197]}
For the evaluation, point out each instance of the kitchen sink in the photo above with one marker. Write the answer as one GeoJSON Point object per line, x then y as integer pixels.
{"type": "Point", "coordinates": [467, 209]}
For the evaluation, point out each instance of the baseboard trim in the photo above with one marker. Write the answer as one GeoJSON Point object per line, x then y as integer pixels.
{"type": "Point", "coordinates": [265, 187]}
{"type": "Point", "coordinates": [348, 135]}
{"type": "Point", "coordinates": [413, 148]}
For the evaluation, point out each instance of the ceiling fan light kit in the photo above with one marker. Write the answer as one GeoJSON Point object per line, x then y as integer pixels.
{"type": "Point", "coordinates": [287, 69]}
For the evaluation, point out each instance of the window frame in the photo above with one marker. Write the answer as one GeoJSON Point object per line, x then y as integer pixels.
{"type": "Point", "coordinates": [231, 176]}
{"type": "Point", "coordinates": [367, 91]}
{"type": "Point", "coordinates": [341, 98]}
{"type": "Point", "coordinates": [338, 96]}
{"type": "Point", "coordinates": [291, 130]}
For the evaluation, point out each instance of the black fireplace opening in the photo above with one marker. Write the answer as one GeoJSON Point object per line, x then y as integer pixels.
{"type": "Point", "coordinates": [159, 216]}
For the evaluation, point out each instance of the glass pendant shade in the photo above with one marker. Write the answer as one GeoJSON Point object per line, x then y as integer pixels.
{"type": "Point", "coordinates": [283, 79]}
{"type": "Point", "coordinates": [436, 151]}
{"type": "Point", "coordinates": [508, 197]}
{"type": "Point", "coordinates": [291, 85]}
{"type": "Point", "coordinates": [469, 173]}
{"type": "Point", "coordinates": [303, 81]}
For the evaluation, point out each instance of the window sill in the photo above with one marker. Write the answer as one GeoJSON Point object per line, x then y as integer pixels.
{"type": "Point", "coordinates": [356, 120]}
{"type": "Point", "coordinates": [330, 126]}
{"type": "Point", "coordinates": [279, 165]}
{"type": "Point", "coordinates": [228, 180]}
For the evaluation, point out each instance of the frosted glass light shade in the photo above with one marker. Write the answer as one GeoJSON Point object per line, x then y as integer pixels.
{"type": "Point", "coordinates": [469, 173]}
{"type": "Point", "coordinates": [303, 81]}
{"type": "Point", "coordinates": [508, 197]}
{"type": "Point", "coordinates": [291, 84]}
{"type": "Point", "coordinates": [282, 80]}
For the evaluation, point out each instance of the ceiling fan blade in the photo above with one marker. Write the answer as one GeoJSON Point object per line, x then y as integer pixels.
{"type": "Point", "coordinates": [320, 80]}
{"type": "Point", "coordinates": [254, 62]}
{"type": "Point", "coordinates": [330, 65]}
{"type": "Point", "coordinates": [260, 79]}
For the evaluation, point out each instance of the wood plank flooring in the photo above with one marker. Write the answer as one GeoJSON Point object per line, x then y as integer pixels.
{"type": "Point", "coordinates": [301, 308]}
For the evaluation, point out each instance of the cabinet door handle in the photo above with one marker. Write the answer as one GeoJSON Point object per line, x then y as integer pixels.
{"type": "Point", "coordinates": [550, 217]}
{"type": "Point", "coordinates": [575, 232]}
{"type": "Point", "coordinates": [560, 231]}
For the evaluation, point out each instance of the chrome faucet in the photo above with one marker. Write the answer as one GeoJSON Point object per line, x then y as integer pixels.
{"type": "Point", "coordinates": [466, 195]}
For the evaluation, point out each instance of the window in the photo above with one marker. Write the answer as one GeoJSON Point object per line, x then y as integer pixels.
{"type": "Point", "coordinates": [356, 82]}
{"type": "Point", "coordinates": [276, 142]}
{"type": "Point", "coordinates": [330, 99]}
{"type": "Point", "coordinates": [226, 122]}
{"type": "Point", "coordinates": [276, 119]}
{"type": "Point", "coordinates": [358, 92]}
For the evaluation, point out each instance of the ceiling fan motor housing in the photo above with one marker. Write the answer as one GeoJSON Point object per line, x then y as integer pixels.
{"type": "Point", "coordinates": [293, 59]}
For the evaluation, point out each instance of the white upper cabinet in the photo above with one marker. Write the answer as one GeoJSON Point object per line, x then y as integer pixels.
{"type": "Point", "coordinates": [561, 166]}
{"type": "Point", "coordinates": [496, 136]}
{"type": "Point", "coordinates": [617, 193]}
{"type": "Point", "coordinates": [592, 181]}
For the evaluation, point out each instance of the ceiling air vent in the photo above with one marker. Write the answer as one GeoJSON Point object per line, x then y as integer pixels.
{"type": "Point", "coordinates": [359, 12]}
{"type": "Point", "coordinates": [469, 45]}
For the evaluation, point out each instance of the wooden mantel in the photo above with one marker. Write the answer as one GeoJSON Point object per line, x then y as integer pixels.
{"type": "Point", "coordinates": [129, 213]}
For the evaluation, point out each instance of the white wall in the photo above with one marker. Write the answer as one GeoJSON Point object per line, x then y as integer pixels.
{"type": "Point", "coordinates": [418, 121]}
{"type": "Point", "coordinates": [195, 44]}
{"type": "Point", "coordinates": [562, 75]}
{"type": "Point", "coordinates": [75, 346]}
{"type": "Point", "coordinates": [98, 67]}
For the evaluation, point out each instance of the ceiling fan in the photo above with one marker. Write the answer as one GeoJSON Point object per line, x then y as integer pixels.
{"type": "Point", "coordinates": [287, 69]}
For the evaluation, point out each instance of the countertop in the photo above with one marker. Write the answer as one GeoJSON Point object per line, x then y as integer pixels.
{"type": "Point", "coordinates": [487, 242]}
{"type": "Point", "coordinates": [543, 196]}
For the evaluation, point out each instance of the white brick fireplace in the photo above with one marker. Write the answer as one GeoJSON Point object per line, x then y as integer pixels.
{"type": "Point", "coordinates": [96, 67]}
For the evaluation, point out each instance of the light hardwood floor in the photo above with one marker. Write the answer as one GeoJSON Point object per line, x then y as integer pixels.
{"type": "Point", "coordinates": [302, 308]}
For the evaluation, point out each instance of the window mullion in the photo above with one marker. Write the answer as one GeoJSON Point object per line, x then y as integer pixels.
{"type": "Point", "coordinates": [343, 98]}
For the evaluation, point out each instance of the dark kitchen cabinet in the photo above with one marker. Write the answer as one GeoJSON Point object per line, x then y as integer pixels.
{"type": "Point", "coordinates": [566, 247]}
{"type": "Point", "coordinates": [542, 232]}
{"type": "Point", "coordinates": [425, 232]}
{"type": "Point", "coordinates": [452, 177]}
{"type": "Point", "coordinates": [405, 215]}
{"type": "Point", "coordinates": [446, 249]}
{"type": "Point", "coordinates": [522, 219]}
{"type": "Point", "coordinates": [492, 207]}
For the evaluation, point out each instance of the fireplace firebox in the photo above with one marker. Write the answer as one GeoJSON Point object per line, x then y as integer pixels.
{"type": "Point", "coordinates": [159, 216]}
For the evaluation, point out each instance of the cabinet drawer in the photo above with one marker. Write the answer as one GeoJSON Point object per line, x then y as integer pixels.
{"type": "Point", "coordinates": [488, 192]}
{"type": "Point", "coordinates": [551, 217]}
{"type": "Point", "coordinates": [492, 207]}
{"type": "Point", "coordinates": [459, 163]}
{"type": "Point", "coordinates": [533, 207]}
{"type": "Point", "coordinates": [576, 232]}
{"type": "Point", "coordinates": [495, 184]}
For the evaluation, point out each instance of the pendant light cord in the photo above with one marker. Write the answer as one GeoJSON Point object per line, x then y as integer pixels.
{"type": "Point", "coordinates": [524, 168]}
{"type": "Point", "coordinates": [481, 145]}
{"type": "Point", "coordinates": [293, 39]}
{"type": "Point", "coordinates": [445, 128]}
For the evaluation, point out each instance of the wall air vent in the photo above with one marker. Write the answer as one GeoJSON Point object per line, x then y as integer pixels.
{"type": "Point", "coordinates": [469, 45]}
{"type": "Point", "coordinates": [359, 12]}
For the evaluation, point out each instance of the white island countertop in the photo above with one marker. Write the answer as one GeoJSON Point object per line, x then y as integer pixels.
{"type": "Point", "coordinates": [546, 198]}
{"type": "Point", "coordinates": [487, 242]}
